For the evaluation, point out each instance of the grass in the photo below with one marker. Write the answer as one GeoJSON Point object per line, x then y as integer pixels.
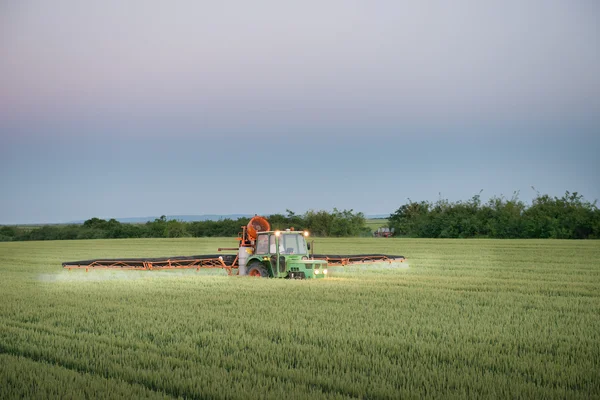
{"type": "Point", "coordinates": [468, 318]}
{"type": "Point", "coordinates": [373, 224]}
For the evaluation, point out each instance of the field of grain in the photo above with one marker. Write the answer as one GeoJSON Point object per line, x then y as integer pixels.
{"type": "Point", "coordinates": [468, 318]}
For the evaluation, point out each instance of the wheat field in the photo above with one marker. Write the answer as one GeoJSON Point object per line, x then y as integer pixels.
{"type": "Point", "coordinates": [467, 318]}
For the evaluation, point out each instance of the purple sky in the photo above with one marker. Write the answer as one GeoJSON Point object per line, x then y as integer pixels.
{"type": "Point", "coordinates": [137, 108]}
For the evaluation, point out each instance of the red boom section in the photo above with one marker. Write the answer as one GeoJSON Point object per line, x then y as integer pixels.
{"type": "Point", "coordinates": [225, 261]}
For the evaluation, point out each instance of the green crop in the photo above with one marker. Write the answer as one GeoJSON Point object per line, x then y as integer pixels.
{"type": "Point", "coordinates": [468, 318]}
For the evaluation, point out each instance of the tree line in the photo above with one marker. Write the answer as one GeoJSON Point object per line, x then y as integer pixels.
{"type": "Point", "coordinates": [566, 217]}
{"type": "Point", "coordinates": [320, 223]}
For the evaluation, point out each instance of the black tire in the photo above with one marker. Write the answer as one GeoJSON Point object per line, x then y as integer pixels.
{"type": "Point", "coordinates": [257, 270]}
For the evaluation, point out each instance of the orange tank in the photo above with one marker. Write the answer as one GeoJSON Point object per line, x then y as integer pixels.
{"type": "Point", "coordinates": [257, 224]}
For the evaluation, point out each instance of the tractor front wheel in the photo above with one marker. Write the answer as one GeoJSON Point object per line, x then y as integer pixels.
{"type": "Point", "coordinates": [257, 270]}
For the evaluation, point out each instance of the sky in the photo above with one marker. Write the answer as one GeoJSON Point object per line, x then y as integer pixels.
{"type": "Point", "coordinates": [144, 108]}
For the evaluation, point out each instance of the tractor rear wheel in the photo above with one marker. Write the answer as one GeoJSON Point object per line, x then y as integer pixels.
{"type": "Point", "coordinates": [257, 270]}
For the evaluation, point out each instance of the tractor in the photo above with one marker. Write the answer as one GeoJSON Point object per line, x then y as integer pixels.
{"type": "Point", "coordinates": [283, 254]}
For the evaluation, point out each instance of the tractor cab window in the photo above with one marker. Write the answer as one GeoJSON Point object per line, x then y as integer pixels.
{"type": "Point", "coordinates": [292, 244]}
{"type": "Point", "coordinates": [262, 244]}
{"type": "Point", "coordinates": [272, 245]}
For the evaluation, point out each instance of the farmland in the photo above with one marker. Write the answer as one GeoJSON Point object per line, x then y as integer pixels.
{"type": "Point", "coordinates": [468, 318]}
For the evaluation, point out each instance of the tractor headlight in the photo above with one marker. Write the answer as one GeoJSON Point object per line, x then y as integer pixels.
{"type": "Point", "coordinates": [316, 271]}
{"type": "Point", "coordinates": [325, 271]}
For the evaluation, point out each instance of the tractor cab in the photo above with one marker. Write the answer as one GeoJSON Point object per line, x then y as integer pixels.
{"type": "Point", "coordinates": [284, 254]}
{"type": "Point", "coordinates": [282, 242]}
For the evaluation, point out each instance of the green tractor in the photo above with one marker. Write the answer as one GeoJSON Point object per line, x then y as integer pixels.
{"type": "Point", "coordinates": [283, 254]}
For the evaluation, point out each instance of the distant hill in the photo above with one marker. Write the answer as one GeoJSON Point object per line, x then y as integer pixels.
{"type": "Point", "coordinates": [184, 218]}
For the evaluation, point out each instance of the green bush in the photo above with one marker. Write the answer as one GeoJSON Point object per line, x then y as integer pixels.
{"type": "Point", "coordinates": [566, 217]}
